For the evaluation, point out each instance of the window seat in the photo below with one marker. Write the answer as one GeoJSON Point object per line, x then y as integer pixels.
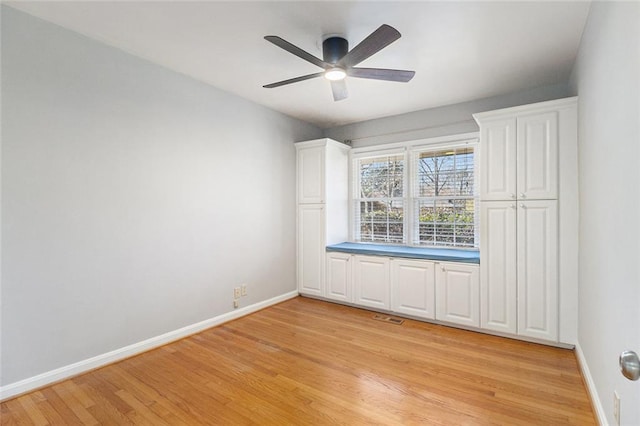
{"type": "Point", "coordinates": [442, 254]}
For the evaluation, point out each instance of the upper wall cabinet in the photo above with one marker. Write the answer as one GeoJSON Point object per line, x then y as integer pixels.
{"type": "Point", "coordinates": [322, 170]}
{"type": "Point", "coordinates": [537, 165]}
{"type": "Point", "coordinates": [498, 159]}
{"type": "Point", "coordinates": [518, 156]}
{"type": "Point", "coordinates": [310, 169]}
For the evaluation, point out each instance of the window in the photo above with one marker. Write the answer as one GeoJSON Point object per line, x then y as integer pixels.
{"type": "Point", "coordinates": [429, 202]}
{"type": "Point", "coordinates": [444, 199]}
{"type": "Point", "coordinates": [380, 202]}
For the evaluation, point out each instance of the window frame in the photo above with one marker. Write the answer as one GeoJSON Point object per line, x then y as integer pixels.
{"type": "Point", "coordinates": [410, 150]}
{"type": "Point", "coordinates": [355, 189]}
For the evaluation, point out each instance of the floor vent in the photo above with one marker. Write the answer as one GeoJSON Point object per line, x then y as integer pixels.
{"type": "Point", "coordinates": [387, 318]}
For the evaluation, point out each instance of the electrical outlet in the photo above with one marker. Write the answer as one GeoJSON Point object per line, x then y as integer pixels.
{"type": "Point", "coordinates": [616, 407]}
{"type": "Point", "coordinates": [235, 303]}
{"type": "Point", "coordinates": [236, 292]}
{"type": "Point", "coordinates": [244, 289]}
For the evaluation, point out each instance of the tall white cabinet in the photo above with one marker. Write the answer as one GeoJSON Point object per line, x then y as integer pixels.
{"type": "Point", "coordinates": [528, 220]}
{"type": "Point", "coordinates": [322, 208]}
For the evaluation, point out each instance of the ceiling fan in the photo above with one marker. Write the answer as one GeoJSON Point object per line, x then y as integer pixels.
{"type": "Point", "coordinates": [338, 61]}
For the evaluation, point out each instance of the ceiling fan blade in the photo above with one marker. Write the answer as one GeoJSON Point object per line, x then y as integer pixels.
{"type": "Point", "coordinates": [339, 89]}
{"type": "Point", "coordinates": [376, 41]}
{"type": "Point", "coordinates": [402, 76]}
{"type": "Point", "coordinates": [284, 44]}
{"type": "Point", "coordinates": [293, 80]}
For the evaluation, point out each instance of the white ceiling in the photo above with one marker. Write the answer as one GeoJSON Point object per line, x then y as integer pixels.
{"type": "Point", "coordinates": [460, 51]}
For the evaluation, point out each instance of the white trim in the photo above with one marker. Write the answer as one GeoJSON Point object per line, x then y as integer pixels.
{"type": "Point", "coordinates": [374, 149]}
{"type": "Point", "coordinates": [322, 142]}
{"type": "Point", "coordinates": [454, 143]}
{"type": "Point", "coordinates": [390, 150]}
{"type": "Point", "coordinates": [17, 388]}
{"type": "Point", "coordinates": [526, 109]}
{"type": "Point", "coordinates": [560, 345]}
{"type": "Point", "coordinates": [591, 386]}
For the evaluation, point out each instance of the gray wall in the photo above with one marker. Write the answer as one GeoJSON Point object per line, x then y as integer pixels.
{"type": "Point", "coordinates": [133, 198]}
{"type": "Point", "coordinates": [446, 120]}
{"type": "Point", "coordinates": [606, 77]}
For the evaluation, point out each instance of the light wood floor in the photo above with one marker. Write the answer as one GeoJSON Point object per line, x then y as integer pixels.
{"type": "Point", "coordinates": [307, 362]}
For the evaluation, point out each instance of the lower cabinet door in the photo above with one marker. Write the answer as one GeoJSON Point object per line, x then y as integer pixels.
{"type": "Point", "coordinates": [338, 277]}
{"type": "Point", "coordinates": [371, 281]}
{"type": "Point", "coordinates": [310, 248]}
{"type": "Point", "coordinates": [498, 279]}
{"type": "Point", "coordinates": [413, 287]}
{"type": "Point", "coordinates": [458, 293]}
{"type": "Point", "coordinates": [538, 269]}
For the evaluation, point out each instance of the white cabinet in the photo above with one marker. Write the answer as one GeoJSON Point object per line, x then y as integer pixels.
{"type": "Point", "coordinates": [338, 277]}
{"type": "Point", "coordinates": [413, 287]}
{"type": "Point", "coordinates": [322, 202]}
{"type": "Point", "coordinates": [537, 151]}
{"type": "Point", "coordinates": [528, 168]}
{"type": "Point", "coordinates": [458, 293]}
{"type": "Point", "coordinates": [497, 158]}
{"type": "Point", "coordinates": [538, 269]}
{"type": "Point", "coordinates": [311, 177]}
{"type": "Point", "coordinates": [519, 157]}
{"type": "Point", "coordinates": [310, 249]}
{"type": "Point", "coordinates": [371, 281]}
{"type": "Point", "coordinates": [498, 268]}
{"type": "Point", "coordinates": [446, 291]}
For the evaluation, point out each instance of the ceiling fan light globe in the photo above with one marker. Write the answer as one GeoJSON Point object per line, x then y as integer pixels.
{"type": "Point", "coordinates": [335, 74]}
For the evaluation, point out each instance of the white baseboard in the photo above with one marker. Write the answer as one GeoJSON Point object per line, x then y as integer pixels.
{"type": "Point", "coordinates": [23, 386]}
{"type": "Point", "coordinates": [591, 387]}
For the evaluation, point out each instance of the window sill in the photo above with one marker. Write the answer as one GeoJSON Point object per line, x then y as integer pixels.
{"type": "Point", "coordinates": [442, 254]}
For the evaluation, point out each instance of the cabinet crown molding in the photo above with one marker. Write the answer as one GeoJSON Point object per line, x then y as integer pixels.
{"type": "Point", "coordinates": [322, 142]}
{"type": "Point", "coordinates": [526, 109]}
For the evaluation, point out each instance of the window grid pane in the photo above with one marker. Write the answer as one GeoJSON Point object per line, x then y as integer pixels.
{"type": "Point", "coordinates": [381, 221]}
{"type": "Point", "coordinates": [382, 177]}
{"type": "Point", "coordinates": [445, 173]}
{"type": "Point", "coordinates": [445, 222]}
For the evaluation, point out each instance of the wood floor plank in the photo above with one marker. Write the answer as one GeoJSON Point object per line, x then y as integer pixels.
{"type": "Point", "coordinates": [32, 410]}
{"type": "Point", "coordinates": [68, 394]}
{"type": "Point", "coordinates": [306, 361]}
{"type": "Point", "coordinates": [13, 413]}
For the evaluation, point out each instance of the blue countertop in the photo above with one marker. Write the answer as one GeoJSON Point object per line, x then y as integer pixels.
{"type": "Point", "coordinates": [443, 254]}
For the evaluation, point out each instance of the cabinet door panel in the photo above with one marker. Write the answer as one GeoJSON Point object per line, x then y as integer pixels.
{"type": "Point", "coordinates": [458, 294]}
{"type": "Point", "coordinates": [497, 154]}
{"type": "Point", "coordinates": [338, 278]}
{"type": "Point", "coordinates": [413, 287]}
{"type": "Point", "coordinates": [498, 285]}
{"type": "Point", "coordinates": [310, 249]}
{"type": "Point", "coordinates": [372, 281]}
{"type": "Point", "coordinates": [310, 171]}
{"type": "Point", "coordinates": [538, 156]}
{"type": "Point", "coordinates": [538, 269]}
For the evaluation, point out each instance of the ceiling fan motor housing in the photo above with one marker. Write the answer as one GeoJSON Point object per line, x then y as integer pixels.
{"type": "Point", "coordinates": [334, 49]}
